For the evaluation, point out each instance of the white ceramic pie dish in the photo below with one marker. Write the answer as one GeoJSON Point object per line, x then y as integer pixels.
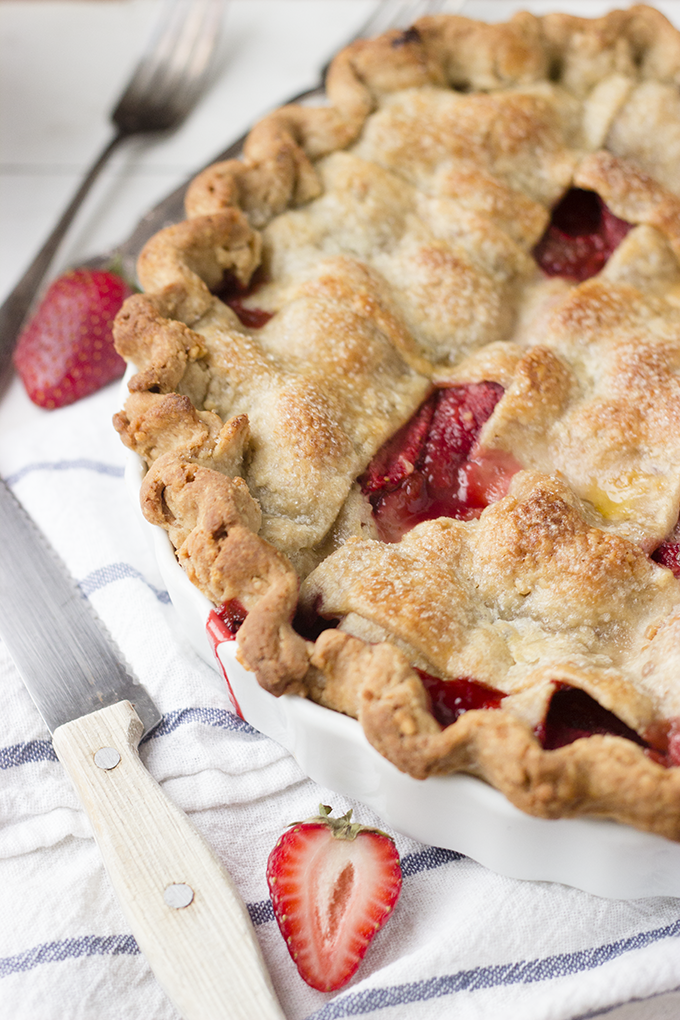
{"type": "Point", "coordinates": [457, 812]}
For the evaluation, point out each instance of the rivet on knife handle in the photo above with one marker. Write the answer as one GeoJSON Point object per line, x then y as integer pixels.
{"type": "Point", "coordinates": [203, 951]}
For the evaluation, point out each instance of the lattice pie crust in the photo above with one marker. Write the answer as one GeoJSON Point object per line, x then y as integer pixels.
{"type": "Point", "coordinates": [393, 234]}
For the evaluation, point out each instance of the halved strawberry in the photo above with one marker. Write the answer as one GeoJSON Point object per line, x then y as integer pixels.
{"type": "Point", "coordinates": [66, 351]}
{"type": "Point", "coordinates": [333, 884]}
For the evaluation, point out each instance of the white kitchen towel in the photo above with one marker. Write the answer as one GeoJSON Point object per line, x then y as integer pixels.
{"type": "Point", "coordinates": [462, 941]}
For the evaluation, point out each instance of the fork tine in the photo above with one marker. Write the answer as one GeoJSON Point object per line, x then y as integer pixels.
{"type": "Point", "coordinates": [173, 68]}
{"type": "Point", "coordinates": [176, 32]}
{"type": "Point", "coordinates": [187, 42]}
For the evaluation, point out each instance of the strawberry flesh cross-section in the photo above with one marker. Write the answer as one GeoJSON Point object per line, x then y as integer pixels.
{"type": "Point", "coordinates": [582, 234]}
{"type": "Point", "coordinates": [333, 885]}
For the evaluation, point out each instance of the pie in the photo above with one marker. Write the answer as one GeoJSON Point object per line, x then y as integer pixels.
{"type": "Point", "coordinates": [408, 389]}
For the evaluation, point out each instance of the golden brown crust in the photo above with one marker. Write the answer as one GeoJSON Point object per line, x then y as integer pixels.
{"type": "Point", "coordinates": [159, 347]}
{"type": "Point", "coordinates": [583, 778]}
{"type": "Point", "coordinates": [211, 520]}
{"type": "Point", "coordinates": [529, 582]}
{"type": "Point", "coordinates": [192, 257]}
{"type": "Point", "coordinates": [394, 228]}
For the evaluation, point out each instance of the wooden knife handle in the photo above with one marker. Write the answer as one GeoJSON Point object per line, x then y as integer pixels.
{"type": "Point", "coordinates": [204, 954]}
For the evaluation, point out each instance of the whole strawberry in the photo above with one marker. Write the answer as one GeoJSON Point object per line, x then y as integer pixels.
{"type": "Point", "coordinates": [333, 884]}
{"type": "Point", "coordinates": [66, 351]}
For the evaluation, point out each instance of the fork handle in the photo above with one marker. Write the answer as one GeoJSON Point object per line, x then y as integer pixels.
{"type": "Point", "coordinates": [16, 305]}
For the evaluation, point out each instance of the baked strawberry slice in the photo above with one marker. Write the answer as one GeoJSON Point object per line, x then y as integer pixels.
{"type": "Point", "coordinates": [397, 459]}
{"type": "Point", "coordinates": [458, 419]}
{"type": "Point", "coordinates": [423, 472]}
{"type": "Point", "coordinates": [582, 234]}
{"type": "Point", "coordinates": [66, 351]}
{"type": "Point", "coordinates": [333, 884]}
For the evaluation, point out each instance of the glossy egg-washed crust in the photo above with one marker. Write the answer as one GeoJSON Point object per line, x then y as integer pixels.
{"type": "Point", "coordinates": [395, 227]}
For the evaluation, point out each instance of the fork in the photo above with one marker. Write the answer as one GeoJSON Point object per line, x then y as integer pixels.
{"type": "Point", "coordinates": [164, 88]}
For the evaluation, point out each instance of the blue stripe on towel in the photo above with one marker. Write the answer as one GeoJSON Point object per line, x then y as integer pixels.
{"type": "Point", "coordinates": [261, 913]}
{"type": "Point", "coordinates": [524, 972]}
{"type": "Point", "coordinates": [69, 949]}
{"type": "Point", "coordinates": [219, 718]}
{"type": "Point", "coordinates": [374, 999]}
{"type": "Point", "coordinates": [32, 750]}
{"type": "Point", "coordinates": [82, 464]}
{"type": "Point", "coordinates": [103, 576]}
{"type": "Point", "coordinates": [427, 859]}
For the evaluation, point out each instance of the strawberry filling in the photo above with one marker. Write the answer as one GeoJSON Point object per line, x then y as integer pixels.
{"type": "Point", "coordinates": [573, 714]}
{"type": "Point", "coordinates": [309, 623]}
{"type": "Point", "coordinates": [449, 699]}
{"type": "Point", "coordinates": [582, 234]}
{"type": "Point", "coordinates": [663, 741]}
{"type": "Point", "coordinates": [668, 555]}
{"type": "Point", "coordinates": [223, 624]}
{"type": "Point", "coordinates": [231, 614]}
{"type": "Point", "coordinates": [233, 293]}
{"type": "Point", "coordinates": [432, 466]}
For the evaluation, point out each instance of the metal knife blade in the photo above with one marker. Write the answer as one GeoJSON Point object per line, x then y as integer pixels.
{"type": "Point", "coordinates": [67, 664]}
{"type": "Point", "coordinates": [182, 906]}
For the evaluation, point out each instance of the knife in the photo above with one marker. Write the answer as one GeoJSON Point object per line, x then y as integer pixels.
{"type": "Point", "coordinates": [182, 906]}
